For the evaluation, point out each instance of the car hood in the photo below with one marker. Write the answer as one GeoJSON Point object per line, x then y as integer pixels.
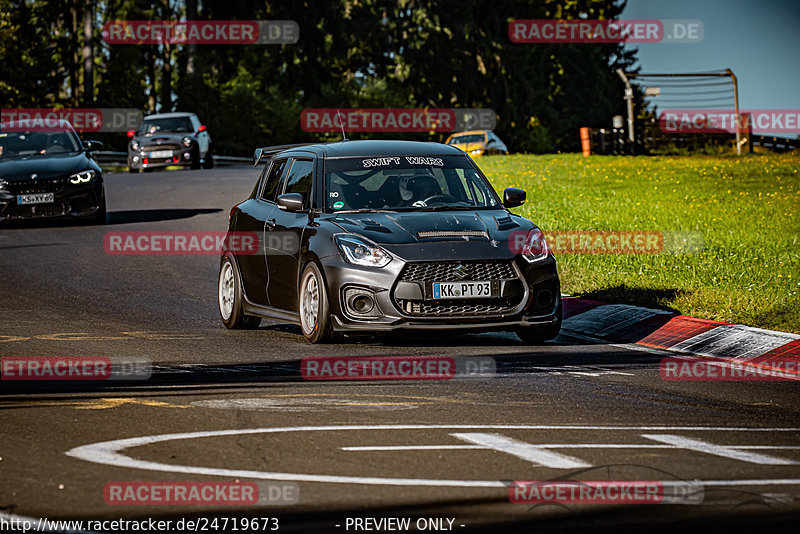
{"type": "Point", "coordinates": [162, 138]}
{"type": "Point", "coordinates": [45, 166]}
{"type": "Point", "coordinates": [422, 235]}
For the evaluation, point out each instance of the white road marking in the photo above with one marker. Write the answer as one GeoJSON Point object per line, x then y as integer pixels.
{"type": "Point", "coordinates": [520, 449]}
{"type": "Point", "coordinates": [718, 450]}
{"type": "Point", "coordinates": [108, 453]}
{"type": "Point", "coordinates": [369, 448]}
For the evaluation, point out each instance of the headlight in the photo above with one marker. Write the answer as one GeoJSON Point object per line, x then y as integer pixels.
{"type": "Point", "coordinates": [187, 142]}
{"type": "Point", "coordinates": [81, 177]}
{"type": "Point", "coordinates": [476, 152]}
{"type": "Point", "coordinates": [135, 145]}
{"type": "Point", "coordinates": [535, 247]}
{"type": "Point", "coordinates": [359, 251]}
{"type": "Point", "coordinates": [3, 184]}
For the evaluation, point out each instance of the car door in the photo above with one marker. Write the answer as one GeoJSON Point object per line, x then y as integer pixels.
{"type": "Point", "coordinates": [283, 235]}
{"type": "Point", "coordinates": [252, 218]}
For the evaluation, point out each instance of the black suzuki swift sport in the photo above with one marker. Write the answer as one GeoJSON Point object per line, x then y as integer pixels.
{"type": "Point", "coordinates": [370, 236]}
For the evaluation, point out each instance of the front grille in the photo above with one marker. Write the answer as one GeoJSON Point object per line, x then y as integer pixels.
{"type": "Point", "coordinates": [455, 308]}
{"type": "Point", "coordinates": [447, 271]}
{"type": "Point", "coordinates": [36, 210]}
{"type": "Point", "coordinates": [42, 185]}
{"type": "Point", "coordinates": [456, 271]}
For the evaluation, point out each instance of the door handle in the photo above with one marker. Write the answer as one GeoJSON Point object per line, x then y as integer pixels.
{"type": "Point", "coordinates": [269, 223]}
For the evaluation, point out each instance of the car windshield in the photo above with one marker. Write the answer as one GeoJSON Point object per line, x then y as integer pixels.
{"type": "Point", "coordinates": [167, 124]}
{"type": "Point", "coordinates": [26, 144]}
{"type": "Point", "coordinates": [405, 183]}
{"type": "Point", "coordinates": [463, 139]}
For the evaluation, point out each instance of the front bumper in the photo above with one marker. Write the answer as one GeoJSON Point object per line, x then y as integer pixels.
{"type": "Point", "coordinates": [70, 201]}
{"type": "Point", "coordinates": [529, 299]}
{"type": "Point", "coordinates": [141, 159]}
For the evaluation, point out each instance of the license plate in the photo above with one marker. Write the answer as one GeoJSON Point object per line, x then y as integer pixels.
{"type": "Point", "coordinates": [462, 290]}
{"type": "Point", "coordinates": [37, 198]}
{"type": "Point", "coordinates": [161, 154]}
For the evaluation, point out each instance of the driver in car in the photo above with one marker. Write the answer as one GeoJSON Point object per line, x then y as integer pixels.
{"type": "Point", "coordinates": [415, 189]}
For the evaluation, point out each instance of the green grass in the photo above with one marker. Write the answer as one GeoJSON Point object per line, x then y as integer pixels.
{"type": "Point", "coordinates": [745, 207]}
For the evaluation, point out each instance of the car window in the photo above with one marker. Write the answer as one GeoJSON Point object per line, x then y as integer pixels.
{"type": "Point", "coordinates": [405, 183]}
{"type": "Point", "coordinates": [300, 178]}
{"type": "Point", "coordinates": [195, 122]}
{"type": "Point", "coordinates": [469, 138]}
{"type": "Point", "coordinates": [273, 179]}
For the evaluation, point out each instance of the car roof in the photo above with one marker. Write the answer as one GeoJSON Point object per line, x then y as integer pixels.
{"type": "Point", "coordinates": [469, 132]}
{"type": "Point", "coordinates": [172, 115]}
{"type": "Point", "coordinates": [369, 148]}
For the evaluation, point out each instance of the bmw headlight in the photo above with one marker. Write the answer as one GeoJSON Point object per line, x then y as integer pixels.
{"type": "Point", "coordinates": [82, 177]}
{"type": "Point", "coordinates": [359, 251]}
{"type": "Point", "coordinates": [187, 142]}
{"type": "Point", "coordinates": [135, 145]}
{"type": "Point", "coordinates": [535, 247]}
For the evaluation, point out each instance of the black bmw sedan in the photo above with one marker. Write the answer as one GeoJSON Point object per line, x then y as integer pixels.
{"type": "Point", "coordinates": [370, 236]}
{"type": "Point", "coordinates": [49, 173]}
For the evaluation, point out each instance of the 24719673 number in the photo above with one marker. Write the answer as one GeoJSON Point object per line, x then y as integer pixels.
{"type": "Point", "coordinates": [236, 524]}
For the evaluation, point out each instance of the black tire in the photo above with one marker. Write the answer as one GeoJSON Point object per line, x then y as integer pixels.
{"type": "Point", "coordinates": [101, 217]}
{"type": "Point", "coordinates": [194, 164]}
{"type": "Point", "coordinates": [540, 334]}
{"type": "Point", "coordinates": [317, 329]}
{"type": "Point", "coordinates": [208, 161]}
{"type": "Point", "coordinates": [236, 319]}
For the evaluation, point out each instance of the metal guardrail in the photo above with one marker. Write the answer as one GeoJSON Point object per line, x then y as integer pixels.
{"type": "Point", "coordinates": [121, 158]}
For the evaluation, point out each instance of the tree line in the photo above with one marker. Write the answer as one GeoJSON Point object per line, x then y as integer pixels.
{"type": "Point", "coordinates": [350, 53]}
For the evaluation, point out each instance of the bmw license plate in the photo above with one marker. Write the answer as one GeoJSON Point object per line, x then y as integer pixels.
{"type": "Point", "coordinates": [463, 290]}
{"type": "Point", "coordinates": [161, 154]}
{"type": "Point", "coordinates": [37, 198]}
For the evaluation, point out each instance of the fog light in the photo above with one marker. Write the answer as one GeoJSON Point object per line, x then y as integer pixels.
{"type": "Point", "coordinates": [135, 158]}
{"type": "Point", "coordinates": [187, 156]}
{"type": "Point", "coordinates": [361, 302]}
{"type": "Point", "coordinates": [544, 298]}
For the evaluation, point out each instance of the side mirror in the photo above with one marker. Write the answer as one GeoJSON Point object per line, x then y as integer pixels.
{"type": "Point", "coordinates": [513, 197]}
{"type": "Point", "coordinates": [257, 156]}
{"type": "Point", "coordinates": [131, 133]}
{"type": "Point", "coordinates": [91, 146]}
{"type": "Point", "coordinates": [201, 128]}
{"type": "Point", "coordinates": [291, 202]}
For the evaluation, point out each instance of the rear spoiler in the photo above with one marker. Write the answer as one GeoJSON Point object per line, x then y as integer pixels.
{"type": "Point", "coordinates": [269, 151]}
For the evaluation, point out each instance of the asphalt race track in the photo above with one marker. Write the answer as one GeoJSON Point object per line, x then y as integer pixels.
{"type": "Point", "coordinates": [445, 449]}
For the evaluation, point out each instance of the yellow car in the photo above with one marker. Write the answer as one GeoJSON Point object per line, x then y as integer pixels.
{"type": "Point", "coordinates": [478, 143]}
